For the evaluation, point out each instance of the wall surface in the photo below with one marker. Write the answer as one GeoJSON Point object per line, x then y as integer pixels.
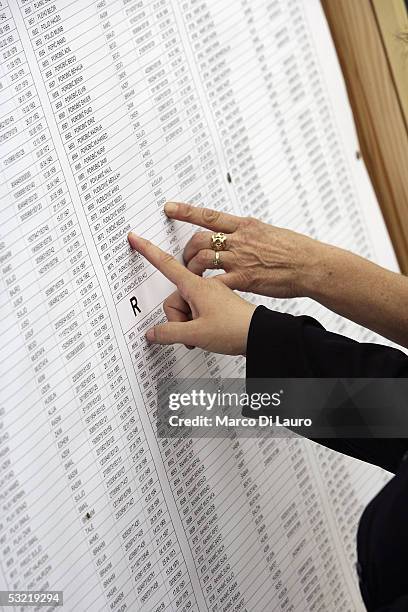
{"type": "Point", "coordinates": [374, 60]}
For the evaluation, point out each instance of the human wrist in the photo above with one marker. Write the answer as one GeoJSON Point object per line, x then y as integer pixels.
{"type": "Point", "coordinates": [328, 272]}
{"type": "Point", "coordinates": [246, 320]}
{"type": "Point", "coordinates": [316, 268]}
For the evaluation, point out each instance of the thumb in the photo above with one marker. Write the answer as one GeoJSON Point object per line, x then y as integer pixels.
{"type": "Point", "coordinates": [173, 333]}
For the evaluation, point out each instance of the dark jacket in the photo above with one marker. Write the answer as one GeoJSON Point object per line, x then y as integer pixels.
{"type": "Point", "coordinates": [282, 345]}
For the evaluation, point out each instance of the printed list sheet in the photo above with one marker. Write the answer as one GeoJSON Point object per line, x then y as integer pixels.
{"type": "Point", "coordinates": [108, 108]}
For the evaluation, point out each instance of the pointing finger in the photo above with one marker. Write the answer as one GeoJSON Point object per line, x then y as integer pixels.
{"type": "Point", "coordinates": [204, 217]}
{"type": "Point", "coordinates": [166, 263]}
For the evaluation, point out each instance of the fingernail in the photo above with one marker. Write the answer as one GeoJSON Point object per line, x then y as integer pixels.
{"type": "Point", "coordinates": [150, 334]}
{"type": "Point", "coordinates": [170, 208]}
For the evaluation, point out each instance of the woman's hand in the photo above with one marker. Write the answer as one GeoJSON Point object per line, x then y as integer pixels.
{"type": "Point", "coordinates": [280, 263]}
{"type": "Point", "coordinates": [203, 312]}
{"type": "Point", "coordinates": [259, 258]}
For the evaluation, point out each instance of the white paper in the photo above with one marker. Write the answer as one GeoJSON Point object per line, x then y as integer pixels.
{"type": "Point", "coordinates": [107, 110]}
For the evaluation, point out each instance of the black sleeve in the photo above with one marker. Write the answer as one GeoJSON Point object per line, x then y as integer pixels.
{"type": "Point", "coordinates": [399, 605]}
{"type": "Point", "coordinates": [281, 345]}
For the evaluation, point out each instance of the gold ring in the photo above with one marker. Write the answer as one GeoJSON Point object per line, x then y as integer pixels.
{"type": "Point", "coordinates": [217, 260]}
{"type": "Point", "coordinates": [218, 241]}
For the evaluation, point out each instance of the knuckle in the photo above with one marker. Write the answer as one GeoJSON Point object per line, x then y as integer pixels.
{"type": "Point", "coordinates": [148, 247]}
{"type": "Point", "coordinates": [202, 257]}
{"type": "Point", "coordinates": [197, 239]}
{"type": "Point", "coordinates": [249, 222]}
{"type": "Point", "coordinates": [232, 240]}
{"type": "Point", "coordinates": [185, 210]}
{"type": "Point", "coordinates": [210, 216]}
{"type": "Point", "coordinates": [187, 253]}
{"type": "Point", "coordinates": [165, 258]}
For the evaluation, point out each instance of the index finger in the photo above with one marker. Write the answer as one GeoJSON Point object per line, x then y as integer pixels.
{"type": "Point", "coordinates": [204, 217]}
{"type": "Point", "coordinates": [166, 263]}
